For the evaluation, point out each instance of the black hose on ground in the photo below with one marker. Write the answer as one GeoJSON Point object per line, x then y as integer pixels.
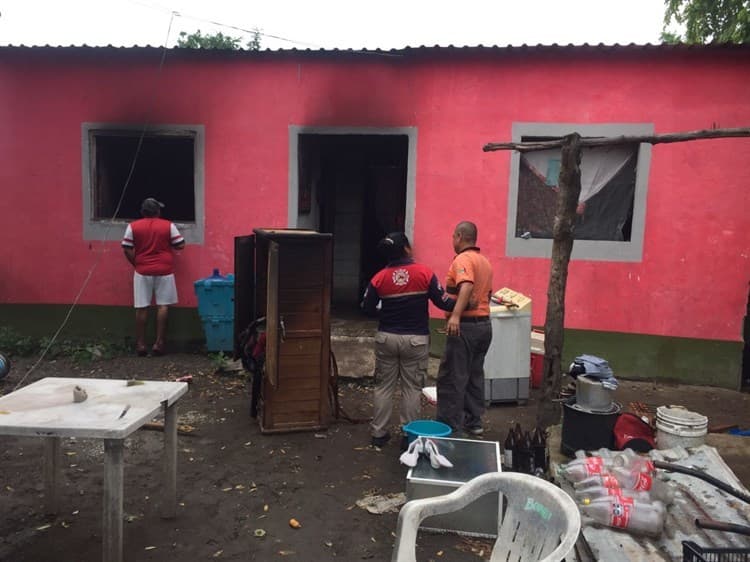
{"type": "Point", "coordinates": [705, 477]}
{"type": "Point", "coordinates": [722, 526]}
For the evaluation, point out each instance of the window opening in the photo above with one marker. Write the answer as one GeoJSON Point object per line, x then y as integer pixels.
{"type": "Point", "coordinates": [164, 169]}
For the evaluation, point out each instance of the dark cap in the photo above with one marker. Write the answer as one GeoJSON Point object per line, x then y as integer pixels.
{"type": "Point", "coordinates": [151, 206]}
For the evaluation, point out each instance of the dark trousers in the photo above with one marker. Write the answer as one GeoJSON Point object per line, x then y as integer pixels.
{"type": "Point", "coordinates": [460, 383]}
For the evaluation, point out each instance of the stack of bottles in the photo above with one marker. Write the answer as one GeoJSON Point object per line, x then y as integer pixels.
{"type": "Point", "coordinates": [620, 489]}
{"type": "Point", "coordinates": [526, 451]}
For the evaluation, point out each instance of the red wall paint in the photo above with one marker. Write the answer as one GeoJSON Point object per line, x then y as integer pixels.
{"type": "Point", "coordinates": [694, 275]}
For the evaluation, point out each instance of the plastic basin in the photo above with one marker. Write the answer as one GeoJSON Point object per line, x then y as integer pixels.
{"type": "Point", "coordinates": [426, 428]}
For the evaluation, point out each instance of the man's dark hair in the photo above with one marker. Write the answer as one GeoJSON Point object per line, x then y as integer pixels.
{"type": "Point", "coordinates": [468, 231]}
{"type": "Point", "coordinates": [393, 246]}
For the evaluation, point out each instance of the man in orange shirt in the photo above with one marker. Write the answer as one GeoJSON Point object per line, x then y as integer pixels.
{"type": "Point", "coordinates": [460, 383]}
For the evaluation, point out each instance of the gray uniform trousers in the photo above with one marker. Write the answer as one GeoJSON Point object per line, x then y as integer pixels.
{"type": "Point", "coordinates": [460, 383]}
{"type": "Point", "coordinates": [404, 357]}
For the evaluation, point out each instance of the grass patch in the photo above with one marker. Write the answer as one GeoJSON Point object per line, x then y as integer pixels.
{"type": "Point", "coordinates": [15, 344]}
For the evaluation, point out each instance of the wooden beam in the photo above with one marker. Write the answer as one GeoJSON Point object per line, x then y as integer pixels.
{"type": "Point", "coordinates": [704, 134]}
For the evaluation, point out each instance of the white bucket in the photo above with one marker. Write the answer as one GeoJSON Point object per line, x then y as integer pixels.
{"type": "Point", "coordinates": [679, 427]}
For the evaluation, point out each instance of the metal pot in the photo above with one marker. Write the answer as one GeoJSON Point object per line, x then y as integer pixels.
{"type": "Point", "coordinates": [591, 395]}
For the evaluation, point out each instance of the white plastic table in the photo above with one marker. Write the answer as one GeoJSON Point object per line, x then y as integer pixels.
{"type": "Point", "coordinates": [112, 411]}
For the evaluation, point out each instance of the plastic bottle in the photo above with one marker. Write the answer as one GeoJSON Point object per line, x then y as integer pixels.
{"type": "Point", "coordinates": [629, 460]}
{"type": "Point", "coordinates": [629, 480]}
{"type": "Point", "coordinates": [634, 480]}
{"type": "Point", "coordinates": [597, 492]}
{"type": "Point", "coordinates": [581, 469]}
{"type": "Point", "coordinates": [604, 478]}
{"type": "Point", "coordinates": [626, 513]}
{"type": "Point", "coordinates": [509, 451]}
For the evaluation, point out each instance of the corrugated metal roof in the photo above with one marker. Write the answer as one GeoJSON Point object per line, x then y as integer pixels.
{"type": "Point", "coordinates": [630, 47]}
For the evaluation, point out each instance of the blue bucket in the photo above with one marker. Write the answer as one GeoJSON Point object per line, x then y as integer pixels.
{"type": "Point", "coordinates": [426, 428]}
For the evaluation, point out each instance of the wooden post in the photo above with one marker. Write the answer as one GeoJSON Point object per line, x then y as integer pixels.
{"type": "Point", "coordinates": [169, 498]}
{"type": "Point", "coordinates": [51, 472]}
{"type": "Point", "coordinates": [562, 246]}
{"type": "Point", "coordinates": [112, 516]}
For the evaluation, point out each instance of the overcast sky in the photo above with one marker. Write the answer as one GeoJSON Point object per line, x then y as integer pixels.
{"type": "Point", "coordinates": [333, 23]}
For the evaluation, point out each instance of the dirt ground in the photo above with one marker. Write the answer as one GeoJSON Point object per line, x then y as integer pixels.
{"type": "Point", "coordinates": [234, 483]}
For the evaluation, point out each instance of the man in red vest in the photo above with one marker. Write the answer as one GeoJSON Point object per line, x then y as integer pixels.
{"type": "Point", "coordinates": [149, 244]}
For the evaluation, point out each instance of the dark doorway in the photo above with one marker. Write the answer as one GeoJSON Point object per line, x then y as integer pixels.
{"type": "Point", "coordinates": [353, 186]}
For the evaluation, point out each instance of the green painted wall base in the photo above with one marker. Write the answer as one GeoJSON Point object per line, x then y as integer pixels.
{"type": "Point", "coordinates": [637, 356]}
{"type": "Point", "coordinates": [100, 323]}
{"type": "Point", "coordinates": [632, 356]}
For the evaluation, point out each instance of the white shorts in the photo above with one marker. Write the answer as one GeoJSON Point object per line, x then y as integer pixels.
{"type": "Point", "coordinates": [160, 287]}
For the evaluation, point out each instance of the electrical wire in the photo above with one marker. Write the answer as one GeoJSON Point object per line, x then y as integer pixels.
{"type": "Point", "coordinates": [157, 6]}
{"type": "Point", "coordinates": [111, 222]}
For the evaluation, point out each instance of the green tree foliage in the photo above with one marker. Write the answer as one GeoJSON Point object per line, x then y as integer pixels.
{"type": "Point", "coordinates": [217, 41]}
{"type": "Point", "coordinates": [707, 21]}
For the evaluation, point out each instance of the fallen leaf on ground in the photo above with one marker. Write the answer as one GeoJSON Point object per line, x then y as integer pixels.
{"type": "Point", "coordinates": [217, 554]}
{"type": "Point", "coordinates": [329, 544]}
{"type": "Point", "coordinates": [294, 524]}
{"type": "Point", "coordinates": [259, 533]}
{"type": "Point", "coordinates": [265, 507]}
{"type": "Point", "coordinates": [226, 489]}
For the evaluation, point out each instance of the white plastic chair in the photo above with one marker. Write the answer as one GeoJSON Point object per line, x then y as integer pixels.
{"type": "Point", "coordinates": [541, 522]}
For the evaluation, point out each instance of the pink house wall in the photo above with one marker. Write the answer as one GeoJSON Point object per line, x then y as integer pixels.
{"type": "Point", "coordinates": [693, 278]}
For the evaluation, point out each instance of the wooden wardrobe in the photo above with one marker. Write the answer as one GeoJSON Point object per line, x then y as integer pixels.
{"type": "Point", "coordinates": [285, 275]}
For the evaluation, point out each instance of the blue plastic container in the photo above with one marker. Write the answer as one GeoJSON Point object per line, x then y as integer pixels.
{"type": "Point", "coordinates": [426, 428]}
{"type": "Point", "coordinates": [215, 296]}
{"type": "Point", "coordinates": [219, 333]}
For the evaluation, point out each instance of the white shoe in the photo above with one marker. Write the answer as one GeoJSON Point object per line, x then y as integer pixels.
{"type": "Point", "coordinates": [411, 455]}
{"type": "Point", "coordinates": [436, 459]}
